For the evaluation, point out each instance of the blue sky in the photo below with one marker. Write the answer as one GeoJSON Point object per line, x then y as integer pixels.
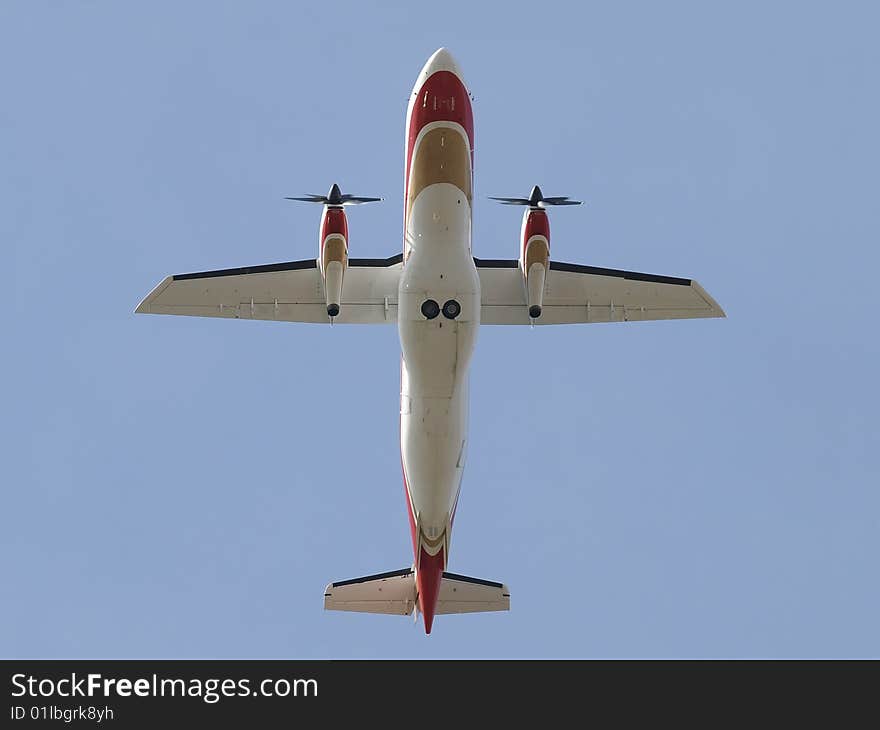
{"type": "Point", "coordinates": [177, 487]}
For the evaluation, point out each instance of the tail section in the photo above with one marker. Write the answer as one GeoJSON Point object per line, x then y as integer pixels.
{"type": "Point", "coordinates": [433, 592]}
{"type": "Point", "coordinates": [393, 592]}
{"type": "Point", "coordinates": [463, 594]}
{"type": "Point", "coordinates": [428, 581]}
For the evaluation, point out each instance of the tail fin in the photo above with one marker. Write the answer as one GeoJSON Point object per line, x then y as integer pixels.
{"type": "Point", "coordinates": [396, 593]}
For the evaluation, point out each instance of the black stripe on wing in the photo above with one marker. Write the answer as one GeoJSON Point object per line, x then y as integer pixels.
{"type": "Point", "coordinates": [284, 266]}
{"type": "Point", "coordinates": [378, 576]}
{"type": "Point", "coordinates": [262, 269]}
{"type": "Point", "coordinates": [618, 273]}
{"type": "Point", "coordinates": [379, 263]}
{"type": "Point", "coordinates": [496, 263]}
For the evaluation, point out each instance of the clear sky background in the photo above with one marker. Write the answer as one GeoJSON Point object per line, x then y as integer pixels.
{"type": "Point", "coordinates": [176, 487]}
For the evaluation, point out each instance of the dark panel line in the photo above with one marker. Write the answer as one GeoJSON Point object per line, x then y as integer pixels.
{"type": "Point", "coordinates": [396, 259]}
{"type": "Point", "coordinates": [496, 263]}
{"type": "Point", "coordinates": [468, 579]}
{"type": "Point", "coordinates": [284, 266]}
{"type": "Point", "coordinates": [620, 274]}
{"type": "Point", "coordinates": [378, 576]}
{"type": "Point", "coordinates": [263, 269]}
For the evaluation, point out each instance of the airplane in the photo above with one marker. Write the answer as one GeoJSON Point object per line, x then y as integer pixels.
{"type": "Point", "coordinates": [438, 294]}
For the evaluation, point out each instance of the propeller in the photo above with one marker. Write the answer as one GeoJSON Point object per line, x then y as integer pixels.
{"type": "Point", "coordinates": [536, 199]}
{"type": "Point", "coordinates": [335, 198]}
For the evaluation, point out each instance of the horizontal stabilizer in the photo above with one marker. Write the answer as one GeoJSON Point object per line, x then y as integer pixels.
{"type": "Point", "coordinates": [461, 594]}
{"type": "Point", "coordinates": [395, 593]}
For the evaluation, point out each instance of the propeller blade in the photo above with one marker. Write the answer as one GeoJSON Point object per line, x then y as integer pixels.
{"type": "Point", "coordinates": [511, 201]}
{"type": "Point", "coordinates": [547, 201]}
{"type": "Point", "coordinates": [536, 199]}
{"type": "Point", "coordinates": [358, 200]}
{"type": "Point", "coordinates": [335, 198]}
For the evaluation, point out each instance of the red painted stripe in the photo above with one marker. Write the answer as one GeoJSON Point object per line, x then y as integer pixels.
{"type": "Point", "coordinates": [334, 222]}
{"type": "Point", "coordinates": [428, 576]}
{"type": "Point", "coordinates": [538, 224]}
{"type": "Point", "coordinates": [447, 100]}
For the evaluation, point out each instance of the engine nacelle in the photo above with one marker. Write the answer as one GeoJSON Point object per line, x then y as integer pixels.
{"type": "Point", "coordinates": [534, 259]}
{"type": "Point", "coordinates": [333, 255]}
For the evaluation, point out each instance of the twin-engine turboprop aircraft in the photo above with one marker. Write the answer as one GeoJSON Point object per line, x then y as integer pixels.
{"type": "Point", "coordinates": [438, 294]}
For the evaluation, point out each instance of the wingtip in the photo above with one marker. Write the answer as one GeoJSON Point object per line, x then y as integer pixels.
{"type": "Point", "coordinates": [144, 307]}
{"type": "Point", "coordinates": [716, 310]}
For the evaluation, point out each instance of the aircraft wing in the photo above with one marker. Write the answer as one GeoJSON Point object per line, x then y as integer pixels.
{"type": "Point", "coordinates": [574, 293]}
{"type": "Point", "coordinates": [287, 292]}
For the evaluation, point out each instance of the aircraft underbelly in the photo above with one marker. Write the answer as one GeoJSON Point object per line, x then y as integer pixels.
{"type": "Point", "coordinates": [436, 353]}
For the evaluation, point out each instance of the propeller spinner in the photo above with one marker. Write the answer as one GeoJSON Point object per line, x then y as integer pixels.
{"type": "Point", "coordinates": [536, 199]}
{"type": "Point", "coordinates": [335, 198]}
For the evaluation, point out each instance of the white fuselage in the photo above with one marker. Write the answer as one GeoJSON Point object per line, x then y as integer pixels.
{"type": "Point", "coordinates": [436, 355]}
{"type": "Point", "coordinates": [439, 268]}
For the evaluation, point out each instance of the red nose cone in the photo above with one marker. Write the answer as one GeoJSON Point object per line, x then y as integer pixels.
{"type": "Point", "coordinates": [428, 578]}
